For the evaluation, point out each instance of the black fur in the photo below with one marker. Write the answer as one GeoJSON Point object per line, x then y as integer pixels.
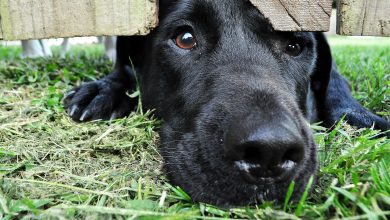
{"type": "Point", "coordinates": [237, 96]}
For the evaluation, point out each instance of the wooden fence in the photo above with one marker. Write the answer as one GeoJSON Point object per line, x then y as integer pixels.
{"type": "Point", "coordinates": [35, 19]}
{"type": "Point", "coordinates": [364, 17]}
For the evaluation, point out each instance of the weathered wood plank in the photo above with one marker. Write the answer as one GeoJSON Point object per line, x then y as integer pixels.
{"type": "Point", "coordinates": [364, 17]}
{"type": "Point", "coordinates": [296, 15]}
{"type": "Point", "coordinates": [1, 30]}
{"type": "Point", "coordinates": [35, 19]}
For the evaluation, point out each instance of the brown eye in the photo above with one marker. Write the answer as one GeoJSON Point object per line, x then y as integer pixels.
{"type": "Point", "coordinates": [185, 41]}
{"type": "Point", "coordinates": [294, 49]}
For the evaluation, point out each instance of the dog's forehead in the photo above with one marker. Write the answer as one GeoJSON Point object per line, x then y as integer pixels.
{"type": "Point", "coordinates": [225, 11]}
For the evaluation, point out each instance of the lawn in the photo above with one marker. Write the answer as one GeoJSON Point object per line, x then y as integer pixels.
{"type": "Point", "coordinates": [51, 167]}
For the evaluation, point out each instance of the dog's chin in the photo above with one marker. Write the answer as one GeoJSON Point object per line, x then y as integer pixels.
{"type": "Point", "coordinates": [196, 163]}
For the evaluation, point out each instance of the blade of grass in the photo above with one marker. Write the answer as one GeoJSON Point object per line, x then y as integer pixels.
{"type": "Point", "coordinates": [288, 195]}
{"type": "Point", "coordinates": [301, 203]}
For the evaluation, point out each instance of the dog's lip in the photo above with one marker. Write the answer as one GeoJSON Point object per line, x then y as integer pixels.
{"type": "Point", "coordinates": [248, 170]}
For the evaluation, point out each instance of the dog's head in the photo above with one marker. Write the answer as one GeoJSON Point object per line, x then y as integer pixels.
{"type": "Point", "coordinates": [235, 99]}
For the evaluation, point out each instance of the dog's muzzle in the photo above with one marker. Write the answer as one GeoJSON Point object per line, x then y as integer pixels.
{"type": "Point", "coordinates": [265, 145]}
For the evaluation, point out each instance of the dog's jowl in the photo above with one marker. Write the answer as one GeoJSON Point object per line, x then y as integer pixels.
{"type": "Point", "coordinates": [236, 98]}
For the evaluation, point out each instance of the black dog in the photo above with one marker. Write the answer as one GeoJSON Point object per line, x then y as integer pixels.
{"type": "Point", "coordinates": [235, 96]}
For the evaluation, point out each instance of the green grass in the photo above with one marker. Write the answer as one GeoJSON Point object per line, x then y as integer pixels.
{"type": "Point", "coordinates": [51, 167]}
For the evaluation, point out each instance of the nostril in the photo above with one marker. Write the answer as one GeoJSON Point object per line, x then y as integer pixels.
{"type": "Point", "coordinates": [291, 158]}
{"type": "Point", "coordinates": [252, 154]}
{"type": "Point", "coordinates": [294, 154]}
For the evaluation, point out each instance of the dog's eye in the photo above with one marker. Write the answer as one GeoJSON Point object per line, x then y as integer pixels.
{"type": "Point", "coordinates": [186, 40]}
{"type": "Point", "coordinates": [294, 49]}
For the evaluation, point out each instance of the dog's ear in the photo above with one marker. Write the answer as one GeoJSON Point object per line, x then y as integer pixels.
{"type": "Point", "coordinates": [321, 76]}
{"type": "Point", "coordinates": [333, 96]}
{"type": "Point", "coordinates": [130, 50]}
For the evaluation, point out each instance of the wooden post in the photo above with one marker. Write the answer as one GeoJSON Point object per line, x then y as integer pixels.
{"type": "Point", "coordinates": [364, 17]}
{"type": "Point", "coordinates": [296, 15]}
{"type": "Point", "coordinates": [35, 19]}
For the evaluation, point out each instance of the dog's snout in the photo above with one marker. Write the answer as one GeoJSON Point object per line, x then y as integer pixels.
{"type": "Point", "coordinates": [263, 148]}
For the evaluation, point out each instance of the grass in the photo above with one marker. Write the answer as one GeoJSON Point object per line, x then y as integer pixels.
{"type": "Point", "coordinates": [51, 167]}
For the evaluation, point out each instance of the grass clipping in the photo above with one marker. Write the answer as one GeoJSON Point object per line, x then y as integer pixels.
{"type": "Point", "coordinates": [46, 159]}
{"type": "Point", "coordinates": [45, 155]}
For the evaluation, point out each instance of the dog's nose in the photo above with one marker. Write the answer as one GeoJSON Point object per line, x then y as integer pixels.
{"type": "Point", "coordinates": [265, 147]}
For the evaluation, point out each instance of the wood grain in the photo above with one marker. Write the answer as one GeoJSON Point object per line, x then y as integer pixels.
{"type": "Point", "coordinates": [1, 30]}
{"type": "Point", "coordinates": [36, 19]}
{"type": "Point", "coordinates": [296, 15]}
{"type": "Point", "coordinates": [364, 17]}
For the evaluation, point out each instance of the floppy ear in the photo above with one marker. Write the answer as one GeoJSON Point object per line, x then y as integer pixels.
{"type": "Point", "coordinates": [130, 48]}
{"type": "Point", "coordinates": [321, 76]}
{"type": "Point", "coordinates": [129, 52]}
{"type": "Point", "coordinates": [333, 94]}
